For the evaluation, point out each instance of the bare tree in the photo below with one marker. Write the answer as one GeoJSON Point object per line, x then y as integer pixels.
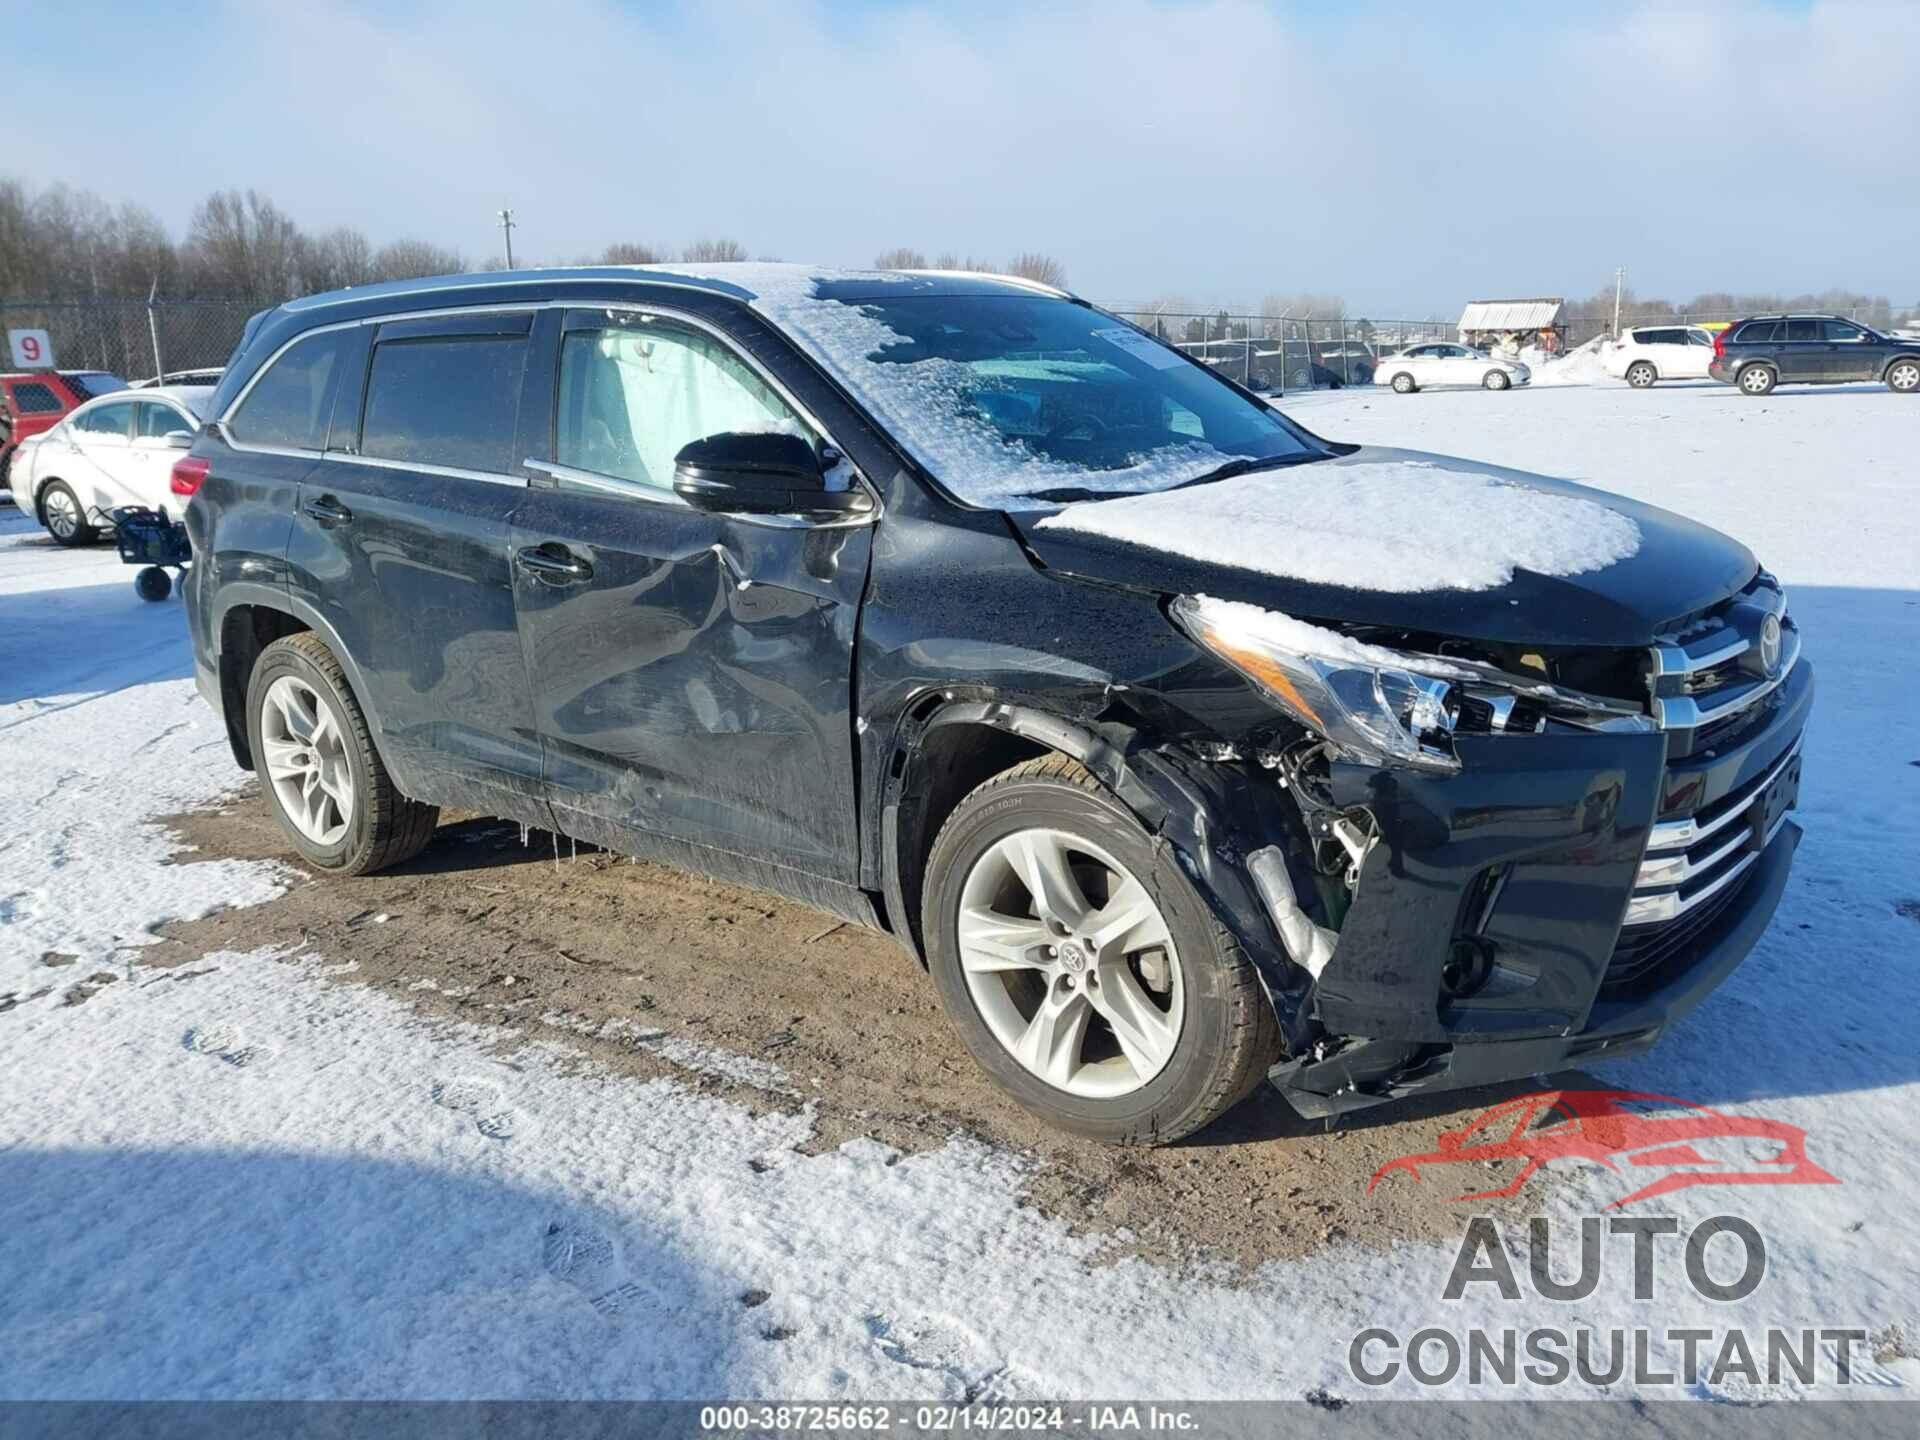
{"type": "Point", "coordinates": [900, 259]}
{"type": "Point", "coordinates": [414, 259]}
{"type": "Point", "coordinates": [241, 243]}
{"type": "Point", "coordinates": [1043, 269]}
{"type": "Point", "coordinates": [629, 252]}
{"type": "Point", "coordinates": [705, 250]}
{"type": "Point", "coordinates": [338, 259]}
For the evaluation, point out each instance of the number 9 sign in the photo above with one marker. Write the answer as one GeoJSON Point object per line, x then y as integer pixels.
{"type": "Point", "coordinates": [32, 349]}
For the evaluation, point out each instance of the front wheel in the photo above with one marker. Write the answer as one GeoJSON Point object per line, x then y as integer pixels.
{"type": "Point", "coordinates": [1403, 384]}
{"type": "Point", "coordinates": [1903, 377]}
{"type": "Point", "coordinates": [64, 516]}
{"type": "Point", "coordinates": [1758, 379]}
{"type": "Point", "coordinates": [315, 756]}
{"type": "Point", "coordinates": [1081, 968]}
{"type": "Point", "coordinates": [1496, 380]}
{"type": "Point", "coordinates": [1641, 375]}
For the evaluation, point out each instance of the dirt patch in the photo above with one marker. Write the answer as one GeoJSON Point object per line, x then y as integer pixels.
{"type": "Point", "coordinates": [652, 971]}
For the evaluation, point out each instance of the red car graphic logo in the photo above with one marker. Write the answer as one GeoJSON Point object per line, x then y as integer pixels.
{"type": "Point", "coordinates": [1615, 1128]}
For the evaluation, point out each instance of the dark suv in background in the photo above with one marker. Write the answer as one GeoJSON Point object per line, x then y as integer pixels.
{"type": "Point", "coordinates": [1770, 350]}
{"type": "Point", "coordinates": [962, 609]}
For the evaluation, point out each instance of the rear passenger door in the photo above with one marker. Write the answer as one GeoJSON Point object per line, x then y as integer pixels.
{"type": "Point", "coordinates": [1802, 351]}
{"type": "Point", "coordinates": [400, 543]}
{"type": "Point", "coordinates": [692, 672]}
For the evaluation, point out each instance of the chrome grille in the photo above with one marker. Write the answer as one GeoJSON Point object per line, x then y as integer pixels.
{"type": "Point", "coordinates": [1716, 670]}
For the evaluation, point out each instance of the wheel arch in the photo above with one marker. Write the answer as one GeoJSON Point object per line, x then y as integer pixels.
{"type": "Point", "coordinates": [250, 618]}
{"type": "Point", "coordinates": [945, 747]}
{"type": "Point", "coordinates": [1893, 360]}
{"type": "Point", "coordinates": [1636, 363]}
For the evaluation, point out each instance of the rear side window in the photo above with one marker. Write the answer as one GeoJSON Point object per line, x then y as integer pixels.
{"type": "Point", "coordinates": [289, 406]}
{"type": "Point", "coordinates": [1760, 332]}
{"type": "Point", "coordinates": [155, 420]}
{"type": "Point", "coordinates": [1699, 337]}
{"type": "Point", "coordinates": [447, 400]}
{"type": "Point", "coordinates": [106, 420]}
{"type": "Point", "coordinates": [1803, 330]}
{"type": "Point", "coordinates": [33, 398]}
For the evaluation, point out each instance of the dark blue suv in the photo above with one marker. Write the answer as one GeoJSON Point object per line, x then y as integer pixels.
{"type": "Point", "coordinates": [1771, 350]}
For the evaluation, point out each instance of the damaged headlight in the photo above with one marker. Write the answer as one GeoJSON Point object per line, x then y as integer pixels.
{"type": "Point", "coordinates": [1375, 704]}
{"type": "Point", "coordinates": [1379, 705]}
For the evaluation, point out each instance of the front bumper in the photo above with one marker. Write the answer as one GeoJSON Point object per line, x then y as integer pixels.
{"type": "Point", "coordinates": [1529, 857]}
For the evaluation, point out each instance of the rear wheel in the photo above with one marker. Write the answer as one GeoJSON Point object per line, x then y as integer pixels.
{"type": "Point", "coordinates": [64, 517]}
{"type": "Point", "coordinates": [1640, 375]}
{"type": "Point", "coordinates": [1496, 380]}
{"type": "Point", "coordinates": [316, 760]}
{"type": "Point", "coordinates": [1903, 376]}
{"type": "Point", "coordinates": [1757, 379]}
{"type": "Point", "coordinates": [1081, 968]}
{"type": "Point", "coordinates": [1403, 384]}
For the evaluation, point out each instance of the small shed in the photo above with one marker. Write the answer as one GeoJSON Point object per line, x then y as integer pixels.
{"type": "Point", "coordinates": [1515, 323]}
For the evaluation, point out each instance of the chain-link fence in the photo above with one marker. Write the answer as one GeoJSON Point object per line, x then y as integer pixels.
{"type": "Point", "coordinates": [1286, 352]}
{"type": "Point", "coordinates": [134, 339]}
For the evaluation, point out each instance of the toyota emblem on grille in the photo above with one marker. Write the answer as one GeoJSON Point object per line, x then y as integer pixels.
{"type": "Point", "coordinates": [1770, 646]}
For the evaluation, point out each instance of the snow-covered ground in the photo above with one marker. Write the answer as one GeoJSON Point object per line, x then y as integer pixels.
{"type": "Point", "coordinates": [251, 1176]}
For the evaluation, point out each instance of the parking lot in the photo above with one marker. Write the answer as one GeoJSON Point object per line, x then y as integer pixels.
{"type": "Point", "coordinates": [771, 1165]}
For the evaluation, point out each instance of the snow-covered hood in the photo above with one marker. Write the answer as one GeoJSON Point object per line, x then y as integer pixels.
{"type": "Point", "coordinates": [1408, 540]}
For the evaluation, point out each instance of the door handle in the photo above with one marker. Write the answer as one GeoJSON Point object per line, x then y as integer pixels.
{"type": "Point", "coordinates": [328, 511]}
{"type": "Point", "coordinates": [554, 565]}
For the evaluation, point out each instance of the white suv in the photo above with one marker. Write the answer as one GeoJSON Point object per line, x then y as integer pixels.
{"type": "Point", "coordinates": [1660, 352]}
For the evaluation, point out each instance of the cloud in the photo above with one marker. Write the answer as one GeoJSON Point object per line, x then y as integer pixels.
{"type": "Point", "coordinates": [1401, 155]}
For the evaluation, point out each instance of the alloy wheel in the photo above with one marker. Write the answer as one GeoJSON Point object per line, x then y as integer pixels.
{"type": "Point", "coordinates": [306, 756]}
{"type": "Point", "coordinates": [1905, 376]}
{"type": "Point", "coordinates": [1755, 380]}
{"type": "Point", "coordinates": [62, 512]}
{"type": "Point", "coordinates": [1070, 963]}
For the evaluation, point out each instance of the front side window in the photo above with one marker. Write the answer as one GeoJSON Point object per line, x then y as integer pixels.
{"type": "Point", "coordinates": [105, 422]}
{"type": "Point", "coordinates": [449, 400]}
{"type": "Point", "coordinates": [289, 406]}
{"type": "Point", "coordinates": [1842, 331]}
{"type": "Point", "coordinates": [33, 398]}
{"type": "Point", "coordinates": [634, 393]}
{"type": "Point", "coordinates": [1021, 401]}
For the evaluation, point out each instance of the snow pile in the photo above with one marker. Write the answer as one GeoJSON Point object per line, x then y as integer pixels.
{"type": "Point", "coordinates": [927, 403]}
{"type": "Point", "coordinates": [1397, 525]}
{"type": "Point", "coordinates": [1585, 365]}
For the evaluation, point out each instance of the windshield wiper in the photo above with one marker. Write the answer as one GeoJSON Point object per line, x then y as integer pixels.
{"type": "Point", "coordinates": [1247, 465]}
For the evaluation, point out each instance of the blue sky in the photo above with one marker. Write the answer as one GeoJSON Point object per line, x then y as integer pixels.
{"type": "Point", "coordinates": [1407, 156]}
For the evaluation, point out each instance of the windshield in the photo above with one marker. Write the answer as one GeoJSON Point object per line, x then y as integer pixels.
{"type": "Point", "coordinates": [1021, 401]}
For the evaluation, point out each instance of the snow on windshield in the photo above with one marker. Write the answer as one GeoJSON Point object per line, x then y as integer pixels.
{"type": "Point", "coordinates": [928, 404]}
{"type": "Point", "coordinates": [1395, 525]}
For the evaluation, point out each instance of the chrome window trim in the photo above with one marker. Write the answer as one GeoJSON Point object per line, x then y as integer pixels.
{"type": "Point", "coordinates": [1684, 834]}
{"type": "Point", "coordinates": [452, 472]}
{"type": "Point", "coordinates": [781, 522]}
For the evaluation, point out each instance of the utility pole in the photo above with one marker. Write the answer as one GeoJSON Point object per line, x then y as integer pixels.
{"type": "Point", "coordinates": [506, 228]}
{"type": "Point", "coordinates": [1619, 284]}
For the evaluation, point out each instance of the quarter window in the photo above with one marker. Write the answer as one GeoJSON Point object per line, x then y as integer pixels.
{"type": "Point", "coordinates": [289, 406]}
{"type": "Point", "coordinates": [33, 398]}
{"type": "Point", "coordinates": [632, 395]}
{"type": "Point", "coordinates": [450, 400]}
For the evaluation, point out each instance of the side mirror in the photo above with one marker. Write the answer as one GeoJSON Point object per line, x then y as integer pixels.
{"type": "Point", "coordinates": [754, 473]}
{"type": "Point", "coordinates": [178, 439]}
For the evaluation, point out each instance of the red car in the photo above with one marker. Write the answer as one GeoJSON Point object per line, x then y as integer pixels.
{"type": "Point", "coordinates": [1616, 1128]}
{"type": "Point", "coordinates": [32, 402]}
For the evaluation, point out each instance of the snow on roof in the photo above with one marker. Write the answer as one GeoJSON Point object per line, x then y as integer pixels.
{"type": "Point", "coordinates": [1396, 525]}
{"type": "Point", "coordinates": [1512, 314]}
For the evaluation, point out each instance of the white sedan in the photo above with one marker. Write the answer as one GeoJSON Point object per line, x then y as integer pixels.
{"type": "Point", "coordinates": [1660, 352]}
{"type": "Point", "coordinates": [117, 450]}
{"type": "Point", "coordinates": [1441, 362]}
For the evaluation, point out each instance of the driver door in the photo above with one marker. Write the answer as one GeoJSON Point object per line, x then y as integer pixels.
{"type": "Point", "coordinates": [692, 671]}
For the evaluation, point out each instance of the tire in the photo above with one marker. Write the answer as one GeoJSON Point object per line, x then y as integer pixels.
{"type": "Point", "coordinates": [1757, 380]}
{"type": "Point", "coordinates": [1496, 380]}
{"type": "Point", "coordinates": [1903, 377]}
{"type": "Point", "coordinates": [65, 517]}
{"type": "Point", "coordinates": [1213, 1028]}
{"type": "Point", "coordinates": [1403, 384]}
{"type": "Point", "coordinates": [1641, 375]}
{"type": "Point", "coordinates": [153, 584]}
{"type": "Point", "coordinates": [377, 827]}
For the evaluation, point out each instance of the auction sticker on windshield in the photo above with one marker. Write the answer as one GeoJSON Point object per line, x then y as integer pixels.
{"type": "Point", "coordinates": [1141, 347]}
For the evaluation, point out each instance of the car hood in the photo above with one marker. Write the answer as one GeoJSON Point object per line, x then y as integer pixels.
{"type": "Point", "coordinates": [1679, 568]}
